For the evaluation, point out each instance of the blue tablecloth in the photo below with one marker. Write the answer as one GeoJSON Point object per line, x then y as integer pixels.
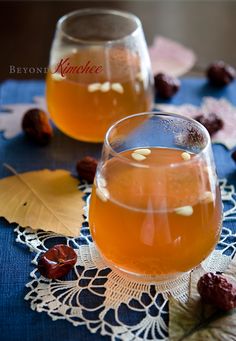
{"type": "Point", "coordinates": [17, 321]}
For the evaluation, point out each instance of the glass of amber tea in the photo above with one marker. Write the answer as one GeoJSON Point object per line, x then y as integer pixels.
{"type": "Point", "coordinates": [155, 209]}
{"type": "Point", "coordinates": [99, 72]}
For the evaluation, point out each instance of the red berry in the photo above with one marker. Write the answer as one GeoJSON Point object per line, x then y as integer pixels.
{"type": "Point", "coordinates": [217, 290]}
{"type": "Point", "coordinates": [219, 73]}
{"type": "Point", "coordinates": [166, 86]}
{"type": "Point", "coordinates": [57, 261]}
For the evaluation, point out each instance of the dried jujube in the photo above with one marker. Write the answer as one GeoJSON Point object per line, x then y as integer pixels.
{"type": "Point", "coordinates": [36, 126]}
{"type": "Point", "coordinates": [166, 86]}
{"type": "Point", "coordinates": [211, 122]}
{"type": "Point", "coordinates": [57, 261]}
{"type": "Point", "coordinates": [220, 74]}
{"type": "Point", "coordinates": [218, 291]}
{"type": "Point", "coordinates": [86, 168]}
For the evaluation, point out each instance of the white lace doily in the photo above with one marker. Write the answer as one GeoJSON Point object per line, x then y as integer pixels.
{"type": "Point", "coordinates": [105, 301]}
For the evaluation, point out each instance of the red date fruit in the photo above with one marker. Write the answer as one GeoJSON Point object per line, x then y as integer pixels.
{"type": "Point", "coordinates": [166, 86]}
{"type": "Point", "coordinates": [86, 168]}
{"type": "Point", "coordinates": [218, 291]}
{"type": "Point", "coordinates": [219, 73]}
{"type": "Point", "coordinates": [36, 126]}
{"type": "Point", "coordinates": [57, 261]}
{"type": "Point", "coordinates": [211, 122]}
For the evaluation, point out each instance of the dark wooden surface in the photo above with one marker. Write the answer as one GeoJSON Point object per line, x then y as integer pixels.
{"type": "Point", "coordinates": [27, 28]}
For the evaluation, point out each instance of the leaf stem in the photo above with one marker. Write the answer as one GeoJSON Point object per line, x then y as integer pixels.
{"type": "Point", "coordinates": [215, 316]}
{"type": "Point", "coordinates": [10, 168]}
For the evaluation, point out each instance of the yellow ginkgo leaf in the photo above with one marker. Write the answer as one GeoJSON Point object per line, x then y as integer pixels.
{"type": "Point", "coordinates": [46, 199]}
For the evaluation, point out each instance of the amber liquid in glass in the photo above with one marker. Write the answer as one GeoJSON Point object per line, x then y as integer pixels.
{"type": "Point", "coordinates": [139, 226]}
{"type": "Point", "coordinates": [86, 115]}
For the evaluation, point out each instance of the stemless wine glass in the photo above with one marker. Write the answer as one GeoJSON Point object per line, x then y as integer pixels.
{"type": "Point", "coordinates": [155, 209]}
{"type": "Point", "coordinates": [99, 72]}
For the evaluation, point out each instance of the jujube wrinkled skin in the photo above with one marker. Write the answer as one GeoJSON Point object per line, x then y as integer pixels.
{"type": "Point", "coordinates": [218, 291]}
{"type": "Point", "coordinates": [57, 262]}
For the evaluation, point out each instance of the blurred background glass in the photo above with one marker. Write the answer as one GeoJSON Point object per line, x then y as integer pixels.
{"type": "Point", "coordinates": [84, 105]}
{"type": "Point", "coordinates": [27, 28]}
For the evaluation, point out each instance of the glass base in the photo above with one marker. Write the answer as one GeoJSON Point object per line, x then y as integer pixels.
{"type": "Point", "coordinates": [145, 278]}
{"type": "Point", "coordinates": [79, 137]}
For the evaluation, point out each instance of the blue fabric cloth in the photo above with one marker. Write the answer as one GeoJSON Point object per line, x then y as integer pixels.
{"type": "Point", "coordinates": [17, 321]}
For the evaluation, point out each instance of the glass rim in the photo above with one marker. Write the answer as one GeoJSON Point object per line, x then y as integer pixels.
{"type": "Point", "coordinates": [157, 113]}
{"type": "Point", "coordinates": [95, 10]}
